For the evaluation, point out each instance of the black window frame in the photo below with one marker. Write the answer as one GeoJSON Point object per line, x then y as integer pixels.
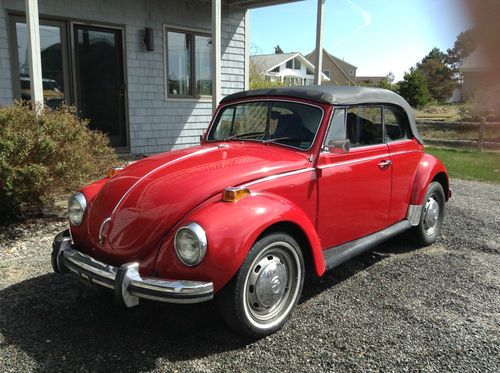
{"type": "Point", "coordinates": [192, 63]}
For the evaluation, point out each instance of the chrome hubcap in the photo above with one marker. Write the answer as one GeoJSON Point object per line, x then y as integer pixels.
{"type": "Point", "coordinates": [431, 214]}
{"type": "Point", "coordinates": [272, 285]}
{"type": "Point", "coordinates": [271, 281]}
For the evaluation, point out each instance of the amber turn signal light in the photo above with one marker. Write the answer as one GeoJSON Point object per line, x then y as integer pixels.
{"type": "Point", "coordinates": [113, 171]}
{"type": "Point", "coordinates": [234, 194]}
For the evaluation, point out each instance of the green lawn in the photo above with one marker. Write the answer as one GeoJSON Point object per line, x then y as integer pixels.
{"type": "Point", "coordinates": [469, 165]}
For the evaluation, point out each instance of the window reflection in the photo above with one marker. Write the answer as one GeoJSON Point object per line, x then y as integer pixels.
{"type": "Point", "coordinates": [52, 63]}
{"type": "Point", "coordinates": [178, 64]}
{"type": "Point", "coordinates": [189, 57]}
{"type": "Point", "coordinates": [203, 57]}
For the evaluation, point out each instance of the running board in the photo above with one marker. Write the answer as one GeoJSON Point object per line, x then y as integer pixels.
{"type": "Point", "coordinates": [342, 253]}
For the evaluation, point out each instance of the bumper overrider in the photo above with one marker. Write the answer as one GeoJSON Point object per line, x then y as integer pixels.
{"type": "Point", "coordinates": [125, 280]}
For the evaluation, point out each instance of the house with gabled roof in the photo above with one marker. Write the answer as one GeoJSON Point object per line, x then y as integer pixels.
{"type": "Point", "coordinates": [476, 72]}
{"type": "Point", "coordinates": [339, 71]}
{"type": "Point", "coordinates": [288, 68]}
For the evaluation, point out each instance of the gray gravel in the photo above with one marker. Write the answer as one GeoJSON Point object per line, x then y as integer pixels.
{"type": "Point", "coordinates": [398, 308]}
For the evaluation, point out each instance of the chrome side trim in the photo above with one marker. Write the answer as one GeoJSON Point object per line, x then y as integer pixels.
{"type": "Point", "coordinates": [201, 151]}
{"type": "Point", "coordinates": [277, 176]}
{"type": "Point", "coordinates": [414, 213]}
{"type": "Point", "coordinates": [352, 161]}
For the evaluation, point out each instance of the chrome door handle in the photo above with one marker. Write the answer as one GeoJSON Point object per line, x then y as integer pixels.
{"type": "Point", "coordinates": [384, 164]}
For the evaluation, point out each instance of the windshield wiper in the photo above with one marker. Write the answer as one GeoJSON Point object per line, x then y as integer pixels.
{"type": "Point", "coordinates": [278, 139]}
{"type": "Point", "coordinates": [238, 135]}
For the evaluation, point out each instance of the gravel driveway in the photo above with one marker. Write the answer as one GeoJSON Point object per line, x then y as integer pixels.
{"type": "Point", "coordinates": [397, 308]}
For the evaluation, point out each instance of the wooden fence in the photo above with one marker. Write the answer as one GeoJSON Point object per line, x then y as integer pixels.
{"type": "Point", "coordinates": [479, 135]}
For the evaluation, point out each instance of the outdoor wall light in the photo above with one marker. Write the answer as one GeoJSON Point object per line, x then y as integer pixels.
{"type": "Point", "coordinates": [149, 39]}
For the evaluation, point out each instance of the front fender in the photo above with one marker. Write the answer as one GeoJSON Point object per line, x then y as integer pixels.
{"type": "Point", "coordinates": [428, 169]}
{"type": "Point", "coordinates": [232, 229]}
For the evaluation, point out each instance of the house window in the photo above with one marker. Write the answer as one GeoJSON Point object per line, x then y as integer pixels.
{"type": "Point", "coordinates": [327, 73]}
{"type": "Point", "coordinates": [54, 55]}
{"type": "Point", "coordinates": [276, 69]}
{"type": "Point", "coordinates": [189, 64]}
{"type": "Point", "coordinates": [293, 64]}
{"type": "Point", "coordinates": [351, 72]}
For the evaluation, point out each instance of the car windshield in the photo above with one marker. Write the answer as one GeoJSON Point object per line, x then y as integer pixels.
{"type": "Point", "coordinates": [287, 123]}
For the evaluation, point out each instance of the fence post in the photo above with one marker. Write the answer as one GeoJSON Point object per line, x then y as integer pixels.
{"type": "Point", "coordinates": [480, 141]}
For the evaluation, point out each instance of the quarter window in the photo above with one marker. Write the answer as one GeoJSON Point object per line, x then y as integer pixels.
{"type": "Point", "coordinates": [189, 64]}
{"type": "Point", "coordinates": [337, 127]}
{"type": "Point", "coordinates": [396, 125]}
{"type": "Point", "coordinates": [364, 126]}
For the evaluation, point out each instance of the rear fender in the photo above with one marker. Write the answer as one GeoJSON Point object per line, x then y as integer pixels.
{"type": "Point", "coordinates": [232, 229]}
{"type": "Point", "coordinates": [429, 168]}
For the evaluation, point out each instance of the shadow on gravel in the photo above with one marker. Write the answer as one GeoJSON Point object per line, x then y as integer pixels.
{"type": "Point", "coordinates": [63, 325]}
{"type": "Point", "coordinates": [314, 285]}
{"type": "Point", "coordinates": [63, 329]}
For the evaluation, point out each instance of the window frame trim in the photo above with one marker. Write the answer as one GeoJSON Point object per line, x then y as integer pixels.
{"type": "Point", "coordinates": [323, 144]}
{"type": "Point", "coordinates": [192, 32]}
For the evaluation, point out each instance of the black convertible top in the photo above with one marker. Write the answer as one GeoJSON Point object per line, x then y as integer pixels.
{"type": "Point", "coordinates": [335, 95]}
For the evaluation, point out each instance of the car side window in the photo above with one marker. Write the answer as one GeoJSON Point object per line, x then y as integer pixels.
{"type": "Point", "coordinates": [396, 125]}
{"type": "Point", "coordinates": [337, 127]}
{"type": "Point", "coordinates": [364, 126]}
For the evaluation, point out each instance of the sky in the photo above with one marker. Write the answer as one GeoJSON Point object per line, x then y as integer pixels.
{"type": "Point", "coordinates": [377, 36]}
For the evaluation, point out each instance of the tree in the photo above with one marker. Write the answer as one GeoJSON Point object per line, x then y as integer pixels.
{"type": "Point", "coordinates": [278, 50]}
{"type": "Point", "coordinates": [414, 89]}
{"type": "Point", "coordinates": [387, 82]}
{"type": "Point", "coordinates": [465, 44]}
{"type": "Point", "coordinates": [440, 78]}
{"type": "Point", "coordinates": [257, 77]}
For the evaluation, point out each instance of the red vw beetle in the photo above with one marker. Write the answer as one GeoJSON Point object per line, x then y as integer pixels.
{"type": "Point", "coordinates": [283, 179]}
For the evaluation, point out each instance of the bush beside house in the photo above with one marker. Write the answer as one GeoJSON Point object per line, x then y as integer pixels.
{"type": "Point", "coordinates": [45, 156]}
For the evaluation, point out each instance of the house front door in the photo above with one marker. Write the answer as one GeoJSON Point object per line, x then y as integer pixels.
{"type": "Point", "coordinates": [100, 81]}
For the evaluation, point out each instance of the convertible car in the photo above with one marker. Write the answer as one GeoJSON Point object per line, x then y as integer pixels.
{"type": "Point", "coordinates": [282, 180]}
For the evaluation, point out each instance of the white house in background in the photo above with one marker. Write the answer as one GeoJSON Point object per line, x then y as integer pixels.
{"type": "Point", "coordinates": [289, 68]}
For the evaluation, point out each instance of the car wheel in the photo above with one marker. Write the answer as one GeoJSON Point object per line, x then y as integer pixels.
{"type": "Point", "coordinates": [261, 297]}
{"type": "Point", "coordinates": [431, 219]}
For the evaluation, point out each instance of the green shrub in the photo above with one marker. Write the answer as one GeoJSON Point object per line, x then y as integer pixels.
{"type": "Point", "coordinates": [43, 157]}
{"type": "Point", "coordinates": [414, 89]}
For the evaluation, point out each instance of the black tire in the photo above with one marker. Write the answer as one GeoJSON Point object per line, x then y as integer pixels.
{"type": "Point", "coordinates": [255, 303]}
{"type": "Point", "coordinates": [429, 227]}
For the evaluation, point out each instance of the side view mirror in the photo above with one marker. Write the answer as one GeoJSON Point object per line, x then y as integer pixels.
{"type": "Point", "coordinates": [339, 146]}
{"type": "Point", "coordinates": [202, 136]}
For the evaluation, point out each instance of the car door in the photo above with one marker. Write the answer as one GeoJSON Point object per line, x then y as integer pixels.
{"type": "Point", "coordinates": [354, 187]}
{"type": "Point", "coordinates": [405, 153]}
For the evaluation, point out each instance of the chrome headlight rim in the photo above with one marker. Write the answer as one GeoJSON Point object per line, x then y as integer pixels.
{"type": "Point", "coordinates": [201, 236]}
{"type": "Point", "coordinates": [80, 198]}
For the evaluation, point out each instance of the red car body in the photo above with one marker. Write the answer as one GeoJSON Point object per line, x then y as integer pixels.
{"type": "Point", "coordinates": [326, 199]}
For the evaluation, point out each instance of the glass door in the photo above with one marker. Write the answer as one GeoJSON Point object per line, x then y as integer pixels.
{"type": "Point", "coordinates": [99, 80]}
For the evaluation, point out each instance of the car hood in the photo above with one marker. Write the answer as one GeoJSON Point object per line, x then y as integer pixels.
{"type": "Point", "coordinates": [150, 196]}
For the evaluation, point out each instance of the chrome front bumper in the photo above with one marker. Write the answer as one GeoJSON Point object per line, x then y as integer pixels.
{"type": "Point", "coordinates": [125, 280]}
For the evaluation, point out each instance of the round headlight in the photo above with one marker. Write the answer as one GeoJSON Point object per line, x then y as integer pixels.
{"type": "Point", "coordinates": [76, 208]}
{"type": "Point", "coordinates": [190, 244]}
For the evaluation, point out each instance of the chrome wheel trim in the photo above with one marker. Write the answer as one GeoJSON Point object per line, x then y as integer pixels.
{"type": "Point", "coordinates": [431, 214]}
{"type": "Point", "coordinates": [272, 285]}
